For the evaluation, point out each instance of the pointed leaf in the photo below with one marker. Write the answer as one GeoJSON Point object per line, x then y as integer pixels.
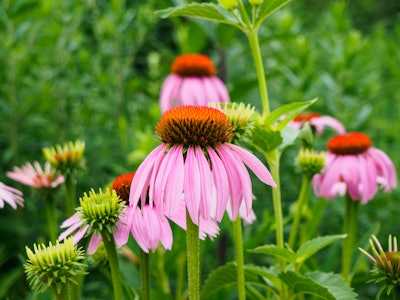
{"type": "Point", "coordinates": [267, 8]}
{"type": "Point", "coordinates": [225, 276]}
{"type": "Point", "coordinates": [208, 11]}
{"type": "Point", "coordinates": [290, 111]}
{"type": "Point", "coordinates": [324, 285]}
{"type": "Point", "coordinates": [277, 252]}
{"type": "Point", "coordinates": [264, 139]}
{"type": "Point", "coordinates": [311, 247]}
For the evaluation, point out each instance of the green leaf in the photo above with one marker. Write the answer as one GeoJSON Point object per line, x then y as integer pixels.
{"type": "Point", "coordinates": [267, 8]}
{"type": "Point", "coordinates": [311, 247]}
{"type": "Point", "coordinates": [208, 11]}
{"type": "Point", "coordinates": [265, 140]}
{"type": "Point", "coordinates": [225, 277]}
{"type": "Point", "coordinates": [289, 111]}
{"type": "Point", "coordinates": [324, 285]}
{"type": "Point", "coordinates": [277, 252]}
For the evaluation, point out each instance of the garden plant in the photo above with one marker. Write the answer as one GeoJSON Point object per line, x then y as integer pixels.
{"type": "Point", "coordinates": [230, 149]}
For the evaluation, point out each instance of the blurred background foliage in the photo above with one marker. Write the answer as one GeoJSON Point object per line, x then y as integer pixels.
{"type": "Point", "coordinates": [93, 69]}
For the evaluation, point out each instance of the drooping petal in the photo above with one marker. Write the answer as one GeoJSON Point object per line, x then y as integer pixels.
{"type": "Point", "coordinates": [191, 185]}
{"type": "Point", "coordinates": [221, 183]}
{"type": "Point", "coordinates": [140, 182]}
{"type": "Point", "coordinates": [255, 165]}
{"type": "Point", "coordinates": [220, 88]}
{"type": "Point", "coordinates": [320, 122]}
{"type": "Point", "coordinates": [169, 91]}
{"type": "Point", "coordinates": [385, 168]}
{"type": "Point", "coordinates": [206, 183]}
{"type": "Point", "coordinates": [94, 243]}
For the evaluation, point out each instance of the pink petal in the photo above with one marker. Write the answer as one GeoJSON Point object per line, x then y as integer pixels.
{"type": "Point", "coordinates": [192, 185]}
{"type": "Point", "coordinates": [94, 243]}
{"type": "Point", "coordinates": [169, 91]}
{"type": "Point", "coordinates": [206, 205]}
{"type": "Point", "coordinates": [255, 165]}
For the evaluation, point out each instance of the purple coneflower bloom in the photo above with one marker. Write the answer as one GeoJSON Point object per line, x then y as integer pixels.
{"type": "Point", "coordinates": [196, 160]}
{"type": "Point", "coordinates": [318, 122]}
{"type": "Point", "coordinates": [36, 177]}
{"type": "Point", "coordinates": [192, 82]}
{"type": "Point", "coordinates": [10, 195]}
{"type": "Point", "coordinates": [147, 225]}
{"type": "Point", "coordinates": [352, 166]}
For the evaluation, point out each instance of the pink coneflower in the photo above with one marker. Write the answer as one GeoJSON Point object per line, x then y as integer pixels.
{"type": "Point", "coordinates": [197, 160]}
{"type": "Point", "coordinates": [352, 166]}
{"type": "Point", "coordinates": [147, 225]}
{"type": "Point", "coordinates": [318, 122]}
{"type": "Point", "coordinates": [192, 82]}
{"type": "Point", "coordinates": [36, 177]}
{"type": "Point", "coordinates": [98, 215]}
{"type": "Point", "coordinates": [10, 195]}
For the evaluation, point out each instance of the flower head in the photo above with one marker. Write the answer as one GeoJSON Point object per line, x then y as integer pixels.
{"type": "Point", "coordinates": [192, 82]}
{"type": "Point", "coordinates": [353, 166]}
{"type": "Point", "coordinates": [318, 122]}
{"type": "Point", "coordinates": [54, 265]}
{"type": "Point", "coordinates": [36, 177]}
{"type": "Point", "coordinates": [148, 226]}
{"type": "Point", "coordinates": [310, 162]}
{"type": "Point", "coordinates": [66, 158]}
{"type": "Point", "coordinates": [386, 263]}
{"type": "Point", "coordinates": [99, 214]}
{"type": "Point", "coordinates": [197, 161]}
{"type": "Point", "coordinates": [10, 195]}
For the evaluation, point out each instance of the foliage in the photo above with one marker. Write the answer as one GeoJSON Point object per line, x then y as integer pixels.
{"type": "Point", "coordinates": [92, 70]}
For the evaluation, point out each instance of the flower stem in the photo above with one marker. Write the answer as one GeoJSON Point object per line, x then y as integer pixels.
{"type": "Point", "coordinates": [350, 228]}
{"type": "Point", "coordinates": [70, 195]}
{"type": "Point", "coordinates": [145, 274]}
{"type": "Point", "coordinates": [237, 226]}
{"type": "Point", "coordinates": [193, 258]}
{"type": "Point", "coordinates": [301, 203]}
{"type": "Point", "coordinates": [111, 250]}
{"type": "Point", "coordinates": [262, 82]}
{"type": "Point", "coordinates": [51, 216]}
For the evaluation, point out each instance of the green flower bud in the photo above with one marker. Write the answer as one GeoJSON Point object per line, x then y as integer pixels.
{"type": "Point", "coordinates": [228, 4]}
{"type": "Point", "coordinates": [101, 211]}
{"type": "Point", "coordinates": [310, 162]}
{"type": "Point", "coordinates": [256, 2]}
{"type": "Point", "coordinates": [54, 266]}
{"type": "Point", "coordinates": [67, 158]}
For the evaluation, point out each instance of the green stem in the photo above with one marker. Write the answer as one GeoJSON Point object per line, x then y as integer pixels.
{"type": "Point", "coordinates": [70, 190]}
{"type": "Point", "coordinates": [301, 203]}
{"type": "Point", "coordinates": [350, 228]}
{"type": "Point", "coordinates": [273, 161]}
{"type": "Point", "coordinates": [193, 258]}
{"type": "Point", "coordinates": [161, 271]}
{"type": "Point", "coordinates": [51, 216]}
{"type": "Point", "coordinates": [145, 274]}
{"type": "Point", "coordinates": [109, 245]}
{"type": "Point", "coordinates": [237, 226]}
{"type": "Point", "coordinates": [262, 82]}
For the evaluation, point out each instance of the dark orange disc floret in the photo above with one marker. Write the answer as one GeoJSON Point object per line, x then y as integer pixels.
{"type": "Point", "coordinates": [122, 186]}
{"type": "Point", "coordinates": [349, 143]}
{"type": "Point", "coordinates": [194, 126]}
{"type": "Point", "coordinates": [195, 65]}
{"type": "Point", "coordinates": [306, 117]}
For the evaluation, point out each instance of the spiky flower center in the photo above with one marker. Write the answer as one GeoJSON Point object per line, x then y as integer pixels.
{"type": "Point", "coordinates": [349, 143]}
{"type": "Point", "coordinates": [122, 186]}
{"type": "Point", "coordinates": [310, 162]}
{"type": "Point", "coordinates": [194, 126]}
{"type": "Point", "coordinates": [54, 265]}
{"type": "Point", "coordinates": [101, 210]}
{"type": "Point", "coordinates": [66, 158]}
{"type": "Point", "coordinates": [193, 65]}
{"type": "Point", "coordinates": [306, 117]}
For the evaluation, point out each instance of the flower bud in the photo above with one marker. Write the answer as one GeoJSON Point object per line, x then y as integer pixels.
{"type": "Point", "coordinates": [228, 4]}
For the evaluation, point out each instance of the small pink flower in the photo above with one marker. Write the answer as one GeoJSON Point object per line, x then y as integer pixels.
{"type": "Point", "coordinates": [352, 166]}
{"type": "Point", "coordinates": [318, 122]}
{"type": "Point", "coordinates": [197, 161]}
{"type": "Point", "coordinates": [10, 195]}
{"type": "Point", "coordinates": [147, 225]}
{"type": "Point", "coordinates": [36, 177]}
{"type": "Point", "coordinates": [192, 82]}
